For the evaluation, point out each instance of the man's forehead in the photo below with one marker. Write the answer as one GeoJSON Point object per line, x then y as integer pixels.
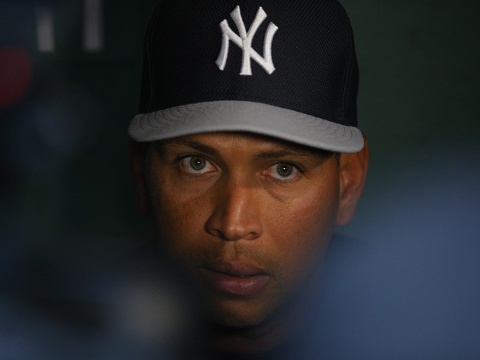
{"type": "Point", "coordinates": [261, 146]}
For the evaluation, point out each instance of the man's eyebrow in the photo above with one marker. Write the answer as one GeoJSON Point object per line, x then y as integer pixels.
{"type": "Point", "coordinates": [320, 156]}
{"type": "Point", "coordinates": [195, 145]}
{"type": "Point", "coordinates": [267, 155]}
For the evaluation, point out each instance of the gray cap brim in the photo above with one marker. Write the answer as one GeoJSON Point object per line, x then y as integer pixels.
{"type": "Point", "coordinates": [258, 118]}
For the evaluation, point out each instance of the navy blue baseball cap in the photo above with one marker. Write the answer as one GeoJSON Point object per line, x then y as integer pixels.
{"type": "Point", "coordinates": [281, 68]}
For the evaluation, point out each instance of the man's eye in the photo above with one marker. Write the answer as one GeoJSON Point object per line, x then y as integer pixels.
{"type": "Point", "coordinates": [196, 165]}
{"type": "Point", "coordinates": [283, 171]}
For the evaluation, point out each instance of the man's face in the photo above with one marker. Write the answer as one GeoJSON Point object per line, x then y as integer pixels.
{"type": "Point", "coordinates": [247, 217]}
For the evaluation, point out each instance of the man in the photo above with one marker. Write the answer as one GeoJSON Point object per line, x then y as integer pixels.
{"type": "Point", "coordinates": [246, 154]}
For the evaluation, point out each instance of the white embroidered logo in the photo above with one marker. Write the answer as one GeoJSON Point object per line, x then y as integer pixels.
{"type": "Point", "coordinates": [244, 41]}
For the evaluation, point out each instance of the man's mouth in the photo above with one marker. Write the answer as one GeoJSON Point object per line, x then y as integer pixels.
{"type": "Point", "coordinates": [239, 279]}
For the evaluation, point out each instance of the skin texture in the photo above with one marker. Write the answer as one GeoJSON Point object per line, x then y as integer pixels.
{"type": "Point", "coordinates": [247, 201]}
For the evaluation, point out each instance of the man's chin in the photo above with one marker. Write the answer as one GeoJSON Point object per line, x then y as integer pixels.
{"type": "Point", "coordinates": [237, 315]}
{"type": "Point", "coordinates": [245, 333]}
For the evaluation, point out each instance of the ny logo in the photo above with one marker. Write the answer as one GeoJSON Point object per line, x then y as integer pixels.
{"type": "Point", "coordinates": [244, 41]}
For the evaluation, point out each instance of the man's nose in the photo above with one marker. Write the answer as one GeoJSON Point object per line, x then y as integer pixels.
{"type": "Point", "coordinates": [236, 214]}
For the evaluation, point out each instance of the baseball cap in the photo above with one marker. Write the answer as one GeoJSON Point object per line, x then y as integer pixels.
{"type": "Point", "coordinates": [281, 68]}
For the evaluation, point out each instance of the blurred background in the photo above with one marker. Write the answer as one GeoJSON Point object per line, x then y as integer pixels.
{"type": "Point", "coordinates": [69, 86]}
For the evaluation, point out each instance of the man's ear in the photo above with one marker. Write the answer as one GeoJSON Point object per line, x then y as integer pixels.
{"type": "Point", "coordinates": [353, 170]}
{"type": "Point", "coordinates": [138, 156]}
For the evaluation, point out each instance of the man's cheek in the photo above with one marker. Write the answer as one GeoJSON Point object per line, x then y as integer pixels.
{"type": "Point", "coordinates": [301, 236]}
{"type": "Point", "coordinates": [180, 228]}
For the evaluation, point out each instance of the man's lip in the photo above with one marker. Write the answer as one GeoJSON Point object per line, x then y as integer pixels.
{"type": "Point", "coordinates": [237, 269]}
{"type": "Point", "coordinates": [241, 279]}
